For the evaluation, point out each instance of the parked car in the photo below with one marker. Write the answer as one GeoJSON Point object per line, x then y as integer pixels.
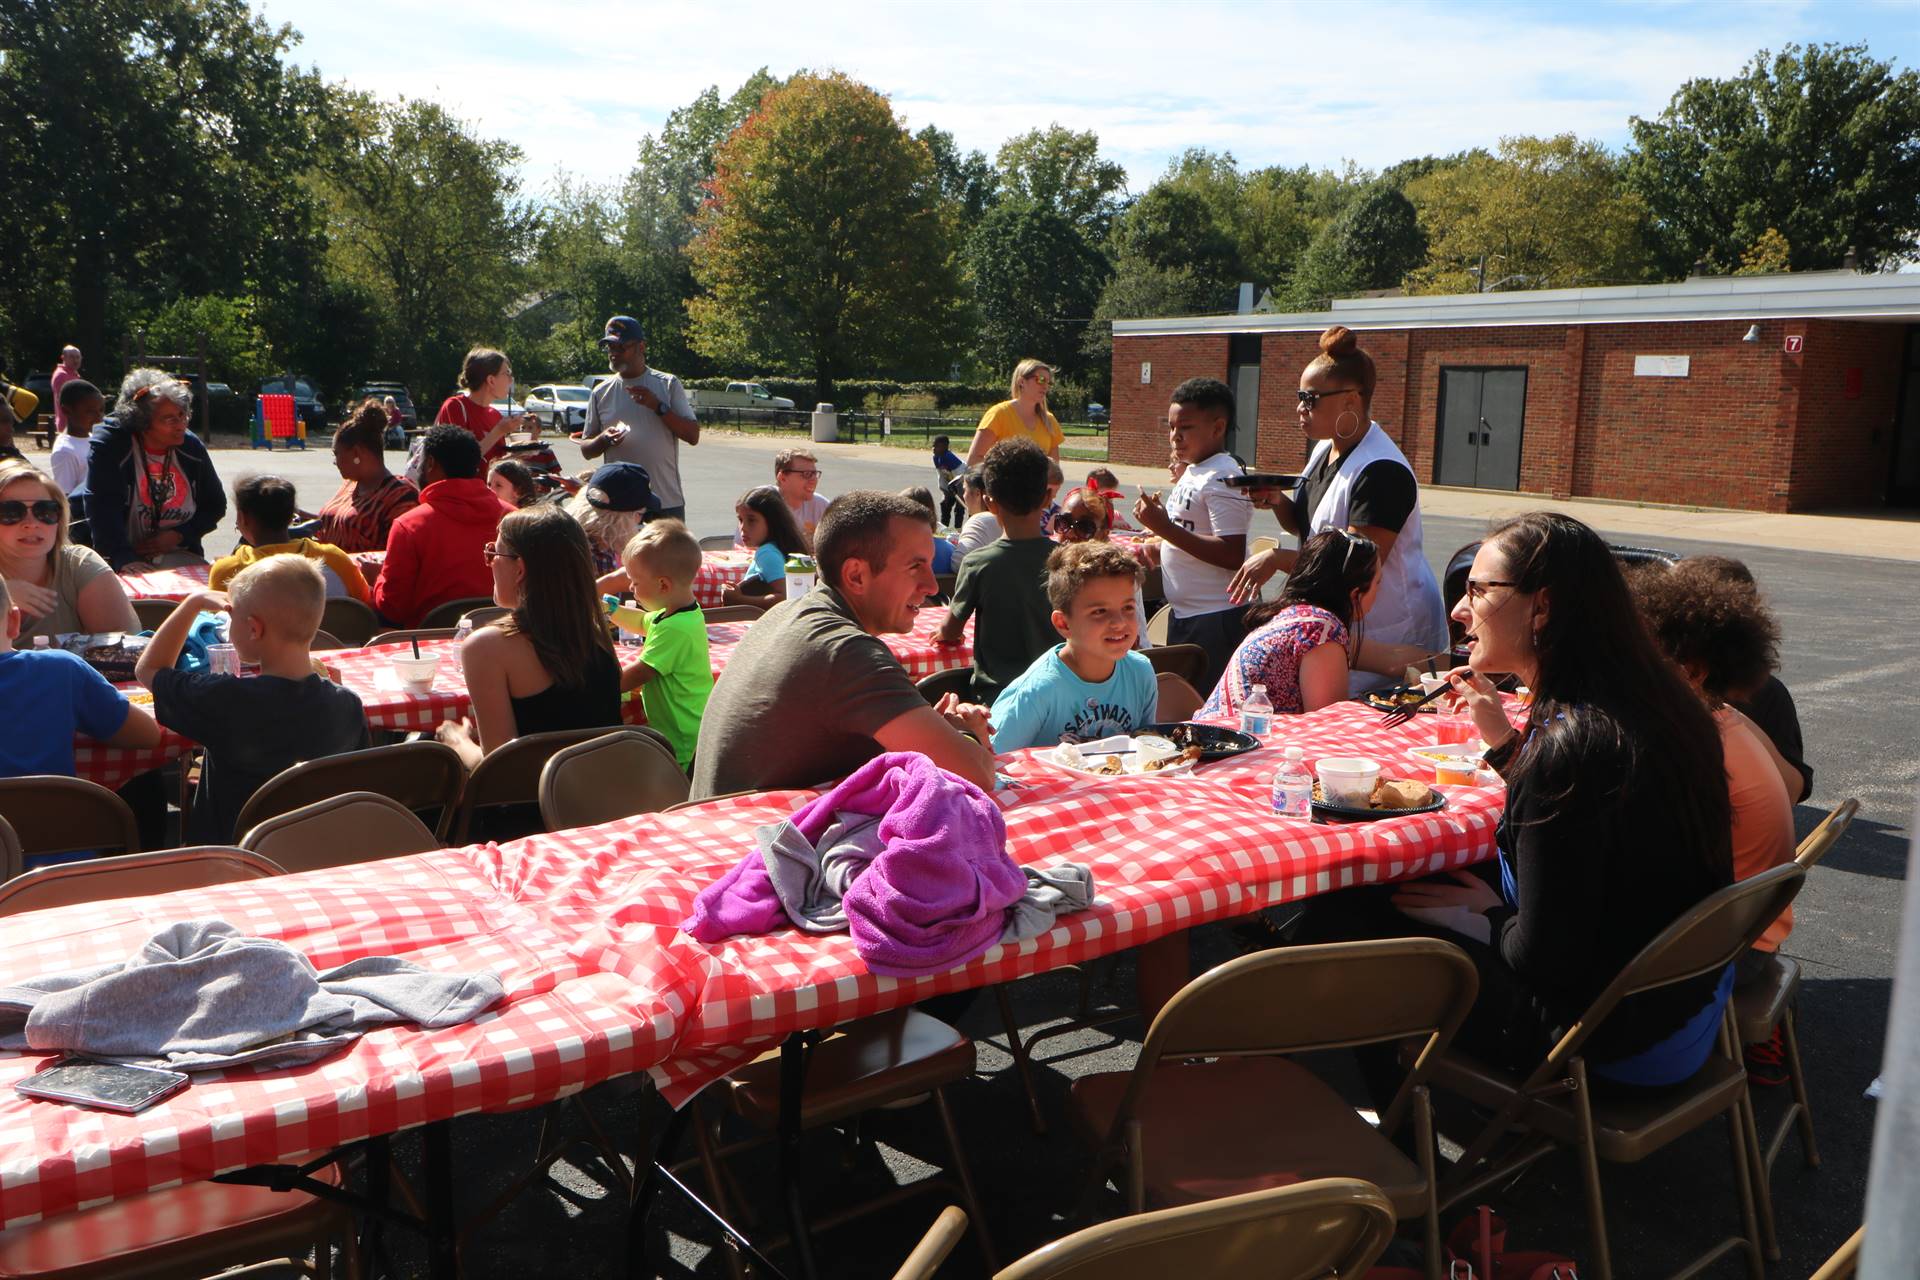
{"type": "Point", "coordinates": [557, 405]}
{"type": "Point", "coordinates": [409, 417]}
{"type": "Point", "coordinates": [306, 399]}
{"type": "Point", "coordinates": [740, 395]}
{"type": "Point", "coordinates": [1096, 412]}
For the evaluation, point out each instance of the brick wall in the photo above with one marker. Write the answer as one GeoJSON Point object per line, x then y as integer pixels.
{"type": "Point", "coordinates": [1138, 435]}
{"type": "Point", "coordinates": [1842, 446]}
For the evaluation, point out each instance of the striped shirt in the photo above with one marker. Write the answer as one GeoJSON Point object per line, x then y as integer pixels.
{"type": "Point", "coordinates": [361, 524]}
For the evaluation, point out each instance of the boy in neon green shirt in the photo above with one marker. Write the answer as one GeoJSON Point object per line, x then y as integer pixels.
{"type": "Point", "coordinates": [674, 672]}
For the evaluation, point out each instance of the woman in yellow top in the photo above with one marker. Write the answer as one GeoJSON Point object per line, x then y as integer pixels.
{"type": "Point", "coordinates": [1024, 417]}
{"type": "Point", "coordinates": [263, 508]}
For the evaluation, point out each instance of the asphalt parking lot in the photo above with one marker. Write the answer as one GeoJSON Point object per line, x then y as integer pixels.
{"type": "Point", "coordinates": [1850, 659]}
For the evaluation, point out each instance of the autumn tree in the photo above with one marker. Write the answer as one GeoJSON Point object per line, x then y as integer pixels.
{"type": "Point", "coordinates": [824, 245]}
{"type": "Point", "coordinates": [1542, 212]}
{"type": "Point", "coordinates": [1821, 143]}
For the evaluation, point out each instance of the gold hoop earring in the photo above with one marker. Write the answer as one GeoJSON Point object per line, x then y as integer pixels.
{"type": "Point", "coordinates": [1346, 435]}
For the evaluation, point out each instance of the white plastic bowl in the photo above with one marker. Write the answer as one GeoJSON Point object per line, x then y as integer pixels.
{"type": "Point", "coordinates": [416, 674]}
{"type": "Point", "coordinates": [1347, 780]}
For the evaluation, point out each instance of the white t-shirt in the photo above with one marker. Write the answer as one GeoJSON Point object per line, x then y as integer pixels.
{"type": "Point", "coordinates": [808, 513]}
{"type": "Point", "coordinates": [1202, 503]}
{"type": "Point", "coordinates": [648, 441]}
{"type": "Point", "coordinates": [976, 533]}
{"type": "Point", "coordinates": [69, 461]}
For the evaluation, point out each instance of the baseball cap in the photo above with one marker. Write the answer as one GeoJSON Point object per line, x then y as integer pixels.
{"type": "Point", "coordinates": [623, 329]}
{"type": "Point", "coordinates": [625, 486]}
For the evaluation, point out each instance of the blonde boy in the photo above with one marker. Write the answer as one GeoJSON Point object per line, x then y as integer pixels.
{"type": "Point", "coordinates": [252, 727]}
{"type": "Point", "coordinates": [674, 672]}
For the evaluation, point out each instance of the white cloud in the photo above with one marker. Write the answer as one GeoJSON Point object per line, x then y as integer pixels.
{"type": "Point", "coordinates": [577, 83]}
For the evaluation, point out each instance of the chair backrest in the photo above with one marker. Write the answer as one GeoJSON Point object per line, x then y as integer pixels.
{"type": "Point", "coordinates": [423, 776]}
{"type": "Point", "coordinates": [724, 795]}
{"type": "Point", "coordinates": [450, 613]}
{"type": "Point", "coordinates": [1823, 837]}
{"type": "Point", "coordinates": [1845, 1260]}
{"type": "Point", "coordinates": [1307, 1231]}
{"type": "Point", "coordinates": [1188, 661]}
{"type": "Point", "coordinates": [11, 863]}
{"type": "Point", "coordinates": [1328, 996]}
{"type": "Point", "coordinates": [717, 542]}
{"type": "Point", "coordinates": [60, 815]}
{"type": "Point", "coordinates": [349, 619]}
{"type": "Point", "coordinates": [613, 776]}
{"type": "Point", "coordinates": [510, 774]}
{"type": "Point", "coordinates": [733, 613]}
{"type": "Point", "coordinates": [1178, 699]}
{"type": "Point", "coordinates": [133, 875]}
{"type": "Point", "coordinates": [324, 639]}
{"type": "Point", "coordinates": [481, 617]}
{"type": "Point", "coordinates": [152, 611]}
{"type": "Point", "coordinates": [1157, 625]}
{"type": "Point", "coordinates": [936, 686]}
{"type": "Point", "coordinates": [411, 633]}
{"type": "Point", "coordinates": [356, 827]}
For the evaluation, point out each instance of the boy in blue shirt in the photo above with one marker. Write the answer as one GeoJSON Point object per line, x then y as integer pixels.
{"type": "Point", "coordinates": [50, 695]}
{"type": "Point", "coordinates": [947, 472]}
{"type": "Point", "coordinates": [1095, 684]}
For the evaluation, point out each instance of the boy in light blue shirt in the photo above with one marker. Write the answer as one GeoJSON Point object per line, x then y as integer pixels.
{"type": "Point", "coordinates": [1095, 685]}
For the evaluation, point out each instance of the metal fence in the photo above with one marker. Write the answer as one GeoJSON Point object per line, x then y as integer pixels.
{"type": "Point", "coordinates": [860, 426]}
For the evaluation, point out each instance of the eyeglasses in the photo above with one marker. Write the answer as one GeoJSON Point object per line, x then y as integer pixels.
{"type": "Point", "coordinates": [1477, 588]}
{"type": "Point", "coordinates": [46, 511]}
{"type": "Point", "coordinates": [492, 552]}
{"type": "Point", "coordinates": [1082, 526]}
{"type": "Point", "coordinates": [1308, 399]}
{"type": "Point", "coordinates": [805, 475]}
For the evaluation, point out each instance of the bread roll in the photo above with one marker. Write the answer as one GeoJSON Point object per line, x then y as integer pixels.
{"type": "Point", "coordinates": [1401, 794]}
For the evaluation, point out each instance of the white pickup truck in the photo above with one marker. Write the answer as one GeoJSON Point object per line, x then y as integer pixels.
{"type": "Point", "coordinates": [739, 395]}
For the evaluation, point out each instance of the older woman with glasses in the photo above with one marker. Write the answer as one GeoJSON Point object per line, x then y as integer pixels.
{"type": "Point", "coordinates": [1356, 479]}
{"type": "Point", "coordinates": [152, 492]}
{"type": "Point", "coordinates": [1022, 416]}
{"type": "Point", "coordinates": [59, 586]}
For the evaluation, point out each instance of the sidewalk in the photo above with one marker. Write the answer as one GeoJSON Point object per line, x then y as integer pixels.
{"type": "Point", "coordinates": [1891, 535]}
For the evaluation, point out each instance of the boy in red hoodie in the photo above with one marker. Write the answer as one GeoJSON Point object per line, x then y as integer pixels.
{"type": "Point", "coordinates": [434, 551]}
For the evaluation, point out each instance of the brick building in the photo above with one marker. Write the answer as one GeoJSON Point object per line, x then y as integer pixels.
{"type": "Point", "coordinates": [1770, 393]}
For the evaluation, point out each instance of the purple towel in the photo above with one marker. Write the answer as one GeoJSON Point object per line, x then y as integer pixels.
{"type": "Point", "coordinates": [935, 897]}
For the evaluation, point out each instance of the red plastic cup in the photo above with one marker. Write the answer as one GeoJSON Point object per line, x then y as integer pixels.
{"type": "Point", "coordinates": [1454, 728]}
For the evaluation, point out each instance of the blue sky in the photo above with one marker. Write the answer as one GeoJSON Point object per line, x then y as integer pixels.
{"type": "Point", "coordinates": [576, 83]}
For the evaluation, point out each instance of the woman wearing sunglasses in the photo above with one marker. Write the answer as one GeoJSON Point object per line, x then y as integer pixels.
{"type": "Point", "coordinates": [152, 492]}
{"type": "Point", "coordinates": [1087, 515]}
{"type": "Point", "coordinates": [1356, 479]}
{"type": "Point", "coordinates": [60, 586]}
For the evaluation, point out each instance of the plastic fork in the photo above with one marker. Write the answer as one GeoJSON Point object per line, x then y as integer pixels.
{"type": "Point", "coordinates": [1401, 714]}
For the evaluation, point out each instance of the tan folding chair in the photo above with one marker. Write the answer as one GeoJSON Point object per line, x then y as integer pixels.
{"type": "Point", "coordinates": [1178, 699]}
{"type": "Point", "coordinates": [411, 633]}
{"type": "Point", "coordinates": [324, 640]}
{"type": "Point", "coordinates": [1768, 1001]}
{"type": "Point", "coordinates": [1249, 1118]}
{"type": "Point", "coordinates": [52, 814]}
{"type": "Point", "coordinates": [131, 875]}
{"type": "Point", "coordinates": [1552, 1105]}
{"type": "Point", "coordinates": [614, 776]}
{"type": "Point", "coordinates": [725, 795]}
{"type": "Point", "coordinates": [152, 611]}
{"type": "Point", "coordinates": [201, 1228]}
{"type": "Point", "coordinates": [481, 617]}
{"type": "Point", "coordinates": [450, 613]}
{"type": "Point", "coordinates": [958, 680]}
{"type": "Point", "coordinates": [717, 542]}
{"type": "Point", "coordinates": [511, 774]}
{"type": "Point", "coordinates": [11, 861]}
{"type": "Point", "coordinates": [352, 621]}
{"type": "Point", "coordinates": [733, 613]}
{"type": "Point", "coordinates": [1329, 1227]}
{"type": "Point", "coordinates": [1844, 1262]}
{"type": "Point", "coordinates": [424, 776]}
{"type": "Point", "coordinates": [356, 827]}
{"type": "Point", "coordinates": [1157, 626]}
{"type": "Point", "coordinates": [1188, 661]}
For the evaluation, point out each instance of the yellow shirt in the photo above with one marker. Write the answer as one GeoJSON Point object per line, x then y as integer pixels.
{"type": "Point", "coordinates": [326, 553]}
{"type": "Point", "coordinates": [1005, 423]}
{"type": "Point", "coordinates": [23, 402]}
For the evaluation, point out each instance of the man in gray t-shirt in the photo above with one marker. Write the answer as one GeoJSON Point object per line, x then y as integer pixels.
{"type": "Point", "coordinates": [640, 416]}
{"type": "Point", "coordinates": [811, 693]}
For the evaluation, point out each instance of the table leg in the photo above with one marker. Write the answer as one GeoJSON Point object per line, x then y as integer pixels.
{"type": "Point", "coordinates": [379, 1189]}
{"type": "Point", "coordinates": [793, 1080]}
{"type": "Point", "coordinates": [1160, 969]}
{"type": "Point", "coordinates": [443, 1257]}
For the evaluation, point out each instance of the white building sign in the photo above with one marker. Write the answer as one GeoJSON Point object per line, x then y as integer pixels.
{"type": "Point", "coordinates": [1661, 366]}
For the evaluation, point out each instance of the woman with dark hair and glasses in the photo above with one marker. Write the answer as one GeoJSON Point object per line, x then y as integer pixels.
{"type": "Point", "coordinates": [1356, 479]}
{"type": "Point", "coordinates": [152, 492]}
{"type": "Point", "coordinates": [59, 586]}
{"type": "Point", "coordinates": [1302, 645]}
{"type": "Point", "coordinates": [549, 663]}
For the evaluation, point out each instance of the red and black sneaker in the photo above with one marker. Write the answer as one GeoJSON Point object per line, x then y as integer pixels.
{"type": "Point", "coordinates": [1767, 1061]}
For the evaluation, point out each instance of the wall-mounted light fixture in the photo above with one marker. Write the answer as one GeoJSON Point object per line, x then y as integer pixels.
{"type": "Point", "coordinates": [1753, 334]}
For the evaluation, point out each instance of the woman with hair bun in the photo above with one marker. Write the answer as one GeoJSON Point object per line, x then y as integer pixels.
{"type": "Point", "coordinates": [1355, 479]}
{"type": "Point", "coordinates": [485, 376]}
{"type": "Point", "coordinates": [370, 498]}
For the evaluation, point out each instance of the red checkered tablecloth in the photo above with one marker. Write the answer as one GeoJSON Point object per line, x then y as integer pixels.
{"type": "Point", "coordinates": [718, 571]}
{"type": "Point", "coordinates": [114, 767]}
{"type": "Point", "coordinates": [166, 584]}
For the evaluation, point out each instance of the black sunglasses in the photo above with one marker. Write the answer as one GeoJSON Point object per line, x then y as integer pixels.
{"type": "Point", "coordinates": [1082, 525]}
{"type": "Point", "coordinates": [46, 511]}
{"type": "Point", "coordinates": [1308, 399]}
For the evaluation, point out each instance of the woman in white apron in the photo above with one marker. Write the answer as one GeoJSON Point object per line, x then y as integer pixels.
{"type": "Point", "coordinates": [1357, 479]}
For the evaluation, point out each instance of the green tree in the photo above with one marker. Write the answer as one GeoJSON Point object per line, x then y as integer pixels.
{"type": "Point", "coordinates": [1374, 243]}
{"type": "Point", "coordinates": [583, 265]}
{"type": "Point", "coordinates": [1036, 280]}
{"type": "Point", "coordinates": [1768, 254]}
{"type": "Point", "coordinates": [1056, 168]}
{"type": "Point", "coordinates": [1543, 212]}
{"type": "Point", "coordinates": [427, 218]}
{"type": "Point", "coordinates": [1175, 229]}
{"type": "Point", "coordinates": [969, 180]}
{"type": "Point", "coordinates": [237, 349]}
{"type": "Point", "coordinates": [825, 245]}
{"type": "Point", "coordinates": [1821, 143]}
{"type": "Point", "coordinates": [1136, 290]}
{"type": "Point", "coordinates": [148, 145]}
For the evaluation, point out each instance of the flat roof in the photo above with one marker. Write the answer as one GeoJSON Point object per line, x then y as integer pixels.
{"type": "Point", "coordinates": [1826, 295]}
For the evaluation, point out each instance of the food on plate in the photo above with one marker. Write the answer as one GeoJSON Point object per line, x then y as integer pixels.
{"type": "Point", "coordinates": [1186, 755]}
{"type": "Point", "coordinates": [1112, 765]}
{"type": "Point", "coordinates": [1401, 794]}
{"type": "Point", "coordinates": [1392, 699]}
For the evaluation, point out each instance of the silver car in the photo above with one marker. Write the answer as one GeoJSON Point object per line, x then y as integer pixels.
{"type": "Point", "coordinates": [559, 406]}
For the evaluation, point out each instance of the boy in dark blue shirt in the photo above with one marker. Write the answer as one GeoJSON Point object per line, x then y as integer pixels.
{"type": "Point", "coordinates": [947, 472]}
{"type": "Point", "coordinates": [50, 695]}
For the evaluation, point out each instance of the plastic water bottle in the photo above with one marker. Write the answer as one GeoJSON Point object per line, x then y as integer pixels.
{"type": "Point", "coordinates": [462, 629]}
{"type": "Point", "coordinates": [1293, 787]}
{"type": "Point", "coordinates": [1256, 713]}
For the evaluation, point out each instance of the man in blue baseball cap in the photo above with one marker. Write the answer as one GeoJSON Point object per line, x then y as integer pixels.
{"type": "Point", "coordinates": [640, 416]}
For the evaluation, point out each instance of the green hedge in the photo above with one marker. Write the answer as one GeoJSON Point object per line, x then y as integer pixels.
{"type": "Point", "coordinates": [855, 393]}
